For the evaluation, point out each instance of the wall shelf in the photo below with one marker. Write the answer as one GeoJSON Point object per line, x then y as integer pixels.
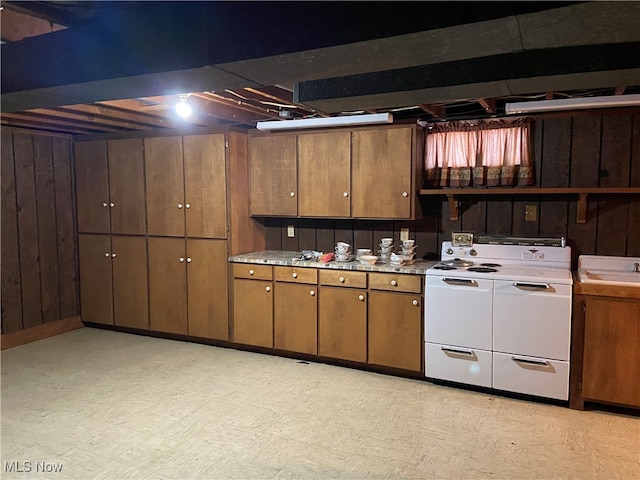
{"type": "Point", "coordinates": [582, 192]}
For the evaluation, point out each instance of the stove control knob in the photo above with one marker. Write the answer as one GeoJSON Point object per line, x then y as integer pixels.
{"type": "Point", "coordinates": [449, 251]}
{"type": "Point", "coordinates": [473, 252]}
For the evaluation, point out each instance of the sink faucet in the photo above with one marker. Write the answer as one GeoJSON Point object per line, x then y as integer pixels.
{"type": "Point", "coordinates": [636, 267]}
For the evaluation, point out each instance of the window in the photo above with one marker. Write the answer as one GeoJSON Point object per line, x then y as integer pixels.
{"type": "Point", "coordinates": [479, 153]}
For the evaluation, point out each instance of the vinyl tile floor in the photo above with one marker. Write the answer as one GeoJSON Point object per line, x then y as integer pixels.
{"type": "Point", "coordinates": [97, 404]}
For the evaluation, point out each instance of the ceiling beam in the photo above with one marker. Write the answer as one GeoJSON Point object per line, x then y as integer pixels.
{"type": "Point", "coordinates": [57, 120]}
{"type": "Point", "coordinates": [15, 26]}
{"type": "Point", "coordinates": [489, 105]}
{"type": "Point", "coordinates": [436, 111]}
{"type": "Point", "coordinates": [121, 110]}
{"type": "Point", "coordinates": [620, 90]}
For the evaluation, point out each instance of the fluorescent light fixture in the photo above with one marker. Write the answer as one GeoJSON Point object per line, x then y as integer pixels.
{"type": "Point", "coordinates": [572, 104]}
{"type": "Point", "coordinates": [326, 122]}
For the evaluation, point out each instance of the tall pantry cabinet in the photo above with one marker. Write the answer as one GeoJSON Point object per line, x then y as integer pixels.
{"type": "Point", "coordinates": [154, 230]}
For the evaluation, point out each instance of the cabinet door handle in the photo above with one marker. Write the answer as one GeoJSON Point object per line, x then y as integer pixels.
{"type": "Point", "coordinates": [104, 204]}
{"type": "Point", "coordinates": [345, 194]}
{"type": "Point", "coordinates": [292, 194]}
{"type": "Point", "coordinates": [361, 298]}
{"type": "Point", "coordinates": [312, 292]}
{"type": "Point", "coordinates": [405, 194]}
{"type": "Point", "coordinates": [179, 206]}
{"type": "Point", "coordinates": [457, 351]}
{"type": "Point", "coordinates": [394, 283]}
{"type": "Point", "coordinates": [532, 286]}
{"type": "Point", "coordinates": [341, 279]}
{"type": "Point", "coordinates": [111, 204]}
{"type": "Point", "coordinates": [181, 259]}
{"type": "Point", "coordinates": [526, 361]}
{"type": "Point", "coordinates": [188, 259]}
{"type": "Point", "coordinates": [113, 255]}
{"type": "Point", "coordinates": [415, 302]}
{"type": "Point", "coordinates": [294, 275]}
{"type": "Point", "coordinates": [106, 255]}
{"type": "Point", "coordinates": [251, 272]}
{"type": "Point", "coordinates": [187, 205]}
{"type": "Point", "coordinates": [268, 289]}
{"type": "Point", "coordinates": [460, 281]}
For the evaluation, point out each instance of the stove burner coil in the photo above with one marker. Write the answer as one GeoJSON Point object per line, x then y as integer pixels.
{"type": "Point", "coordinates": [457, 262]}
{"type": "Point", "coordinates": [482, 269]}
{"type": "Point", "coordinates": [490, 265]}
{"type": "Point", "coordinates": [444, 267]}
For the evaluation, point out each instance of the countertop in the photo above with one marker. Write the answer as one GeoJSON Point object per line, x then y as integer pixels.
{"type": "Point", "coordinates": [290, 258]}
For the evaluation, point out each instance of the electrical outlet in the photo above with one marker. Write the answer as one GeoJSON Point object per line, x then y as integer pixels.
{"type": "Point", "coordinates": [404, 234]}
{"type": "Point", "coordinates": [530, 213]}
{"type": "Point", "coordinates": [290, 231]}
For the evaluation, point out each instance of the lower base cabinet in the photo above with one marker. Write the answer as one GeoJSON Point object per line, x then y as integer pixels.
{"type": "Point", "coordinates": [295, 323]}
{"type": "Point", "coordinates": [342, 323]}
{"type": "Point", "coordinates": [253, 312]}
{"type": "Point", "coordinates": [611, 367]}
{"type": "Point", "coordinates": [395, 338]}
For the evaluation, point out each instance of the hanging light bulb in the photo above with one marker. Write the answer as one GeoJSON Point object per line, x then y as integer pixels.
{"type": "Point", "coordinates": [183, 109]}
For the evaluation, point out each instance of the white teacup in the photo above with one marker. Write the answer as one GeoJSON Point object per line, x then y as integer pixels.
{"type": "Point", "coordinates": [363, 251]}
{"type": "Point", "coordinates": [408, 243]}
{"type": "Point", "coordinates": [387, 242]}
{"type": "Point", "coordinates": [342, 247]}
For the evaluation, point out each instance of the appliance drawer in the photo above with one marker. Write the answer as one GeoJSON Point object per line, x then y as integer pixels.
{"type": "Point", "coordinates": [457, 311]}
{"type": "Point", "coordinates": [532, 319]}
{"type": "Point", "coordinates": [456, 364]}
{"type": "Point", "coordinates": [531, 375]}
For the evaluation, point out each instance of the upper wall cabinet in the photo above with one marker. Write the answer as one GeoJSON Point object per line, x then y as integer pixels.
{"type": "Point", "coordinates": [372, 172]}
{"type": "Point", "coordinates": [272, 175]}
{"type": "Point", "coordinates": [110, 186]}
{"type": "Point", "coordinates": [186, 186]}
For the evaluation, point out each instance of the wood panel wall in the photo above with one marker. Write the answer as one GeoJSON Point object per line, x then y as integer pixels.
{"type": "Point", "coordinates": [39, 263]}
{"type": "Point", "coordinates": [571, 151]}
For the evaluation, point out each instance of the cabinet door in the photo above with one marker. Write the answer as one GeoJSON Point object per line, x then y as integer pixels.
{"type": "Point", "coordinates": [130, 286]}
{"type": "Point", "coordinates": [395, 330]}
{"type": "Point", "coordinates": [342, 323]}
{"type": "Point", "coordinates": [92, 187]}
{"type": "Point", "coordinates": [205, 186]}
{"type": "Point", "coordinates": [126, 186]}
{"type": "Point", "coordinates": [381, 173]}
{"type": "Point", "coordinates": [165, 185]}
{"type": "Point", "coordinates": [207, 286]}
{"type": "Point", "coordinates": [95, 278]}
{"type": "Point", "coordinates": [295, 318]}
{"type": "Point", "coordinates": [324, 174]}
{"type": "Point", "coordinates": [167, 285]}
{"type": "Point", "coordinates": [612, 351]}
{"type": "Point", "coordinates": [272, 175]}
{"type": "Point", "coordinates": [253, 312]}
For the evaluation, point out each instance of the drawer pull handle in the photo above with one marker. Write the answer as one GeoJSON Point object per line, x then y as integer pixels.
{"type": "Point", "coordinates": [251, 272]}
{"type": "Point", "coordinates": [526, 361]}
{"type": "Point", "coordinates": [361, 298]}
{"type": "Point", "coordinates": [345, 194]}
{"type": "Point", "coordinates": [341, 279]}
{"type": "Point", "coordinates": [456, 351]}
{"type": "Point", "coordinates": [312, 292]}
{"type": "Point", "coordinates": [532, 286]}
{"type": "Point", "coordinates": [460, 281]}
{"type": "Point", "coordinates": [394, 283]}
{"type": "Point", "coordinates": [268, 289]}
{"type": "Point", "coordinates": [405, 194]}
{"type": "Point", "coordinates": [415, 302]}
{"type": "Point", "coordinates": [294, 275]}
{"type": "Point", "coordinates": [292, 194]}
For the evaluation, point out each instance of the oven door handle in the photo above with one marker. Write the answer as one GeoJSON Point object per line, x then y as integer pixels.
{"type": "Point", "coordinates": [532, 286]}
{"type": "Point", "coordinates": [468, 353]}
{"type": "Point", "coordinates": [537, 363]}
{"type": "Point", "coordinates": [466, 282]}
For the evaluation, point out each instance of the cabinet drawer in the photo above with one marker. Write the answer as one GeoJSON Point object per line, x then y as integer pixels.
{"type": "Point", "coordinates": [456, 364]}
{"type": "Point", "coordinates": [343, 278]}
{"type": "Point", "coordinates": [249, 270]}
{"type": "Point", "coordinates": [395, 282]}
{"type": "Point", "coordinates": [531, 375]}
{"type": "Point", "coordinates": [296, 274]}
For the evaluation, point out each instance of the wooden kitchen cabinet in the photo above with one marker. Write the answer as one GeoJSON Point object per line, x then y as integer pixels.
{"type": "Point", "coordinates": [611, 359]}
{"type": "Point", "coordinates": [113, 280]}
{"type": "Point", "coordinates": [342, 323]}
{"type": "Point", "coordinates": [295, 320]}
{"type": "Point", "coordinates": [253, 312]}
{"type": "Point", "coordinates": [110, 187]}
{"type": "Point", "coordinates": [382, 173]}
{"type": "Point", "coordinates": [324, 174]}
{"type": "Point", "coordinates": [395, 326]}
{"type": "Point", "coordinates": [273, 175]}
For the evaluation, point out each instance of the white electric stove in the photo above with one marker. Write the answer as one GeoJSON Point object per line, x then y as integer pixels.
{"type": "Point", "coordinates": [499, 316]}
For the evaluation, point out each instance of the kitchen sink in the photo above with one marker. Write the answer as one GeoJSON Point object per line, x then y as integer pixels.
{"type": "Point", "coordinates": [609, 270]}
